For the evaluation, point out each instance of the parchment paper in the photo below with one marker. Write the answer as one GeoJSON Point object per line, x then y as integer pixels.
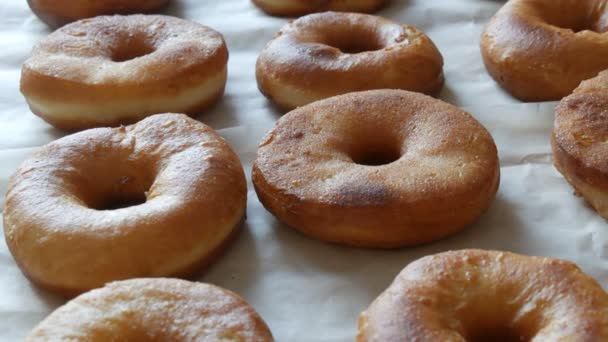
{"type": "Point", "coordinates": [308, 290]}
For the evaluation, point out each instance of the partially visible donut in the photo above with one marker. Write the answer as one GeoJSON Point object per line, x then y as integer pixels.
{"type": "Point", "coordinates": [56, 13]}
{"type": "Point", "coordinates": [381, 168]}
{"type": "Point", "coordinates": [327, 54]}
{"type": "Point", "coordinates": [159, 198]}
{"type": "Point", "coordinates": [580, 133]}
{"type": "Point", "coordinates": [540, 50]}
{"type": "Point", "coordinates": [291, 8]}
{"type": "Point", "coordinates": [114, 70]}
{"type": "Point", "coordinates": [476, 295]}
{"type": "Point", "coordinates": [154, 310]}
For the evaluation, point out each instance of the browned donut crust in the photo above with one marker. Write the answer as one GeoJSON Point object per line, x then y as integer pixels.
{"type": "Point", "coordinates": [476, 295]}
{"type": "Point", "coordinates": [114, 70]}
{"type": "Point", "coordinates": [540, 50]}
{"type": "Point", "coordinates": [158, 198]}
{"type": "Point", "coordinates": [580, 134]}
{"type": "Point", "coordinates": [292, 8]}
{"type": "Point", "coordinates": [154, 310]}
{"type": "Point", "coordinates": [382, 168]}
{"type": "Point", "coordinates": [56, 13]}
{"type": "Point", "coordinates": [327, 54]}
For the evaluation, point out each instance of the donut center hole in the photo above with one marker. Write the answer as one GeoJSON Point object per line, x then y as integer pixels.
{"type": "Point", "coordinates": [122, 192]}
{"type": "Point", "coordinates": [119, 202]}
{"type": "Point", "coordinates": [353, 40]}
{"type": "Point", "coordinates": [575, 19]}
{"type": "Point", "coordinates": [376, 154]}
{"type": "Point", "coordinates": [131, 49]}
{"type": "Point", "coordinates": [498, 335]}
{"type": "Point", "coordinates": [357, 46]}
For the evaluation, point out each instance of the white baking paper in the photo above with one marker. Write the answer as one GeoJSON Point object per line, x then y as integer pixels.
{"type": "Point", "coordinates": [305, 289]}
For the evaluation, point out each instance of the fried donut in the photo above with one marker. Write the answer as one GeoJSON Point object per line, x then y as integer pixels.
{"type": "Point", "coordinates": [158, 198]}
{"type": "Point", "coordinates": [57, 13]}
{"type": "Point", "coordinates": [540, 50]}
{"type": "Point", "coordinates": [115, 70]}
{"type": "Point", "coordinates": [292, 8]}
{"type": "Point", "coordinates": [327, 54]}
{"type": "Point", "coordinates": [381, 168]}
{"type": "Point", "coordinates": [579, 140]}
{"type": "Point", "coordinates": [476, 295]}
{"type": "Point", "coordinates": [154, 310]}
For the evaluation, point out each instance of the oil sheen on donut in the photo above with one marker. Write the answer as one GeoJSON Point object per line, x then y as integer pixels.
{"type": "Point", "coordinates": [154, 310]}
{"type": "Point", "coordinates": [540, 50]}
{"type": "Point", "coordinates": [327, 54]}
{"type": "Point", "coordinates": [382, 168]}
{"type": "Point", "coordinates": [476, 295]}
{"type": "Point", "coordinates": [159, 198]}
{"type": "Point", "coordinates": [114, 70]}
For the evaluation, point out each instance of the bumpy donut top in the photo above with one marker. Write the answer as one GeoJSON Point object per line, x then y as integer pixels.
{"type": "Point", "coordinates": [56, 218]}
{"type": "Point", "coordinates": [154, 310]}
{"type": "Point", "coordinates": [316, 153]}
{"type": "Point", "coordinates": [475, 295]}
{"type": "Point", "coordinates": [123, 52]}
{"type": "Point", "coordinates": [334, 51]}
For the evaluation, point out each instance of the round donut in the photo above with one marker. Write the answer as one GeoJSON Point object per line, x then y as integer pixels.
{"type": "Point", "coordinates": [579, 140]}
{"type": "Point", "coordinates": [114, 70]}
{"type": "Point", "coordinates": [154, 310]}
{"type": "Point", "coordinates": [159, 198]}
{"type": "Point", "coordinates": [381, 168]}
{"type": "Point", "coordinates": [327, 54]}
{"type": "Point", "coordinates": [293, 8]}
{"type": "Point", "coordinates": [540, 50]}
{"type": "Point", "coordinates": [56, 13]}
{"type": "Point", "coordinates": [476, 295]}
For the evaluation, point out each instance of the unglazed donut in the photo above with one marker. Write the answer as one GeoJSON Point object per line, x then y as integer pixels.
{"type": "Point", "coordinates": [475, 295]}
{"type": "Point", "coordinates": [540, 50]}
{"type": "Point", "coordinates": [56, 13]}
{"type": "Point", "coordinates": [579, 140]}
{"type": "Point", "coordinates": [327, 54]}
{"type": "Point", "coordinates": [381, 168]}
{"type": "Point", "coordinates": [158, 198]}
{"type": "Point", "coordinates": [114, 70]}
{"type": "Point", "coordinates": [154, 310]}
{"type": "Point", "coordinates": [299, 7]}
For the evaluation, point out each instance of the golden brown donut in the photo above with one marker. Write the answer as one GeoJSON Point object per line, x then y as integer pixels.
{"type": "Point", "coordinates": [540, 50]}
{"type": "Point", "coordinates": [56, 13]}
{"type": "Point", "coordinates": [381, 168]}
{"type": "Point", "coordinates": [327, 54]}
{"type": "Point", "coordinates": [580, 133]}
{"type": "Point", "coordinates": [154, 310]}
{"type": "Point", "coordinates": [292, 8]}
{"type": "Point", "coordinates": [158, 198]}
{"type": "Point", "coordinates": [115, 70]}
{"type": "Point", "coordinates": [476, 295]}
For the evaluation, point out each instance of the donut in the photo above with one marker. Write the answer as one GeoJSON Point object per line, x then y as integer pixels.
{"type": "Point", "coordinates": [327, 54]}
{"type": "Point", "coordinates": [114, 70]}
{"type": "Point", "coordinates": [579, 141]}
{"type": "Point", "coordinates": [540, 50]}
{"type": "Point", "coordinates": [56, 13]}
{"type": "Point", "coordinates": [380, 168]}
{"type": "Point", "coordinates": [159, 198]}
{"type": "Point", "coordinates": [154, 309]}
{"type": "Point", "coordinates": [477, 295]}
{"type": "Point", "coordinates": [293, 8]}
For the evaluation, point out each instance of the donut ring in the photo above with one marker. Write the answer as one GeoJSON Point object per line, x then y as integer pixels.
{"type": "Point", "coordinates": [540, 50]}
{"type": "Point", "coordinates": [110, 204]}
{"type": "Point", "coordinates": [475, 295]}
{"type": "Point", "coordinates": [154, 310]}
{"type": "Point", "coordinates": [382, 168]}
{"type": "Point", "coordinates": [327, 54]}
{"type": "Point", "coordinates": [56, 13]}
{"type": "Point", "coordinates": [114, 70]}
{"type": "Point", "coordinates": [579, 141]}
{"type": "Point", "coordinates": [293, 8]}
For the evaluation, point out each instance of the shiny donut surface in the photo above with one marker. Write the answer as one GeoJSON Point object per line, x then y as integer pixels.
{"type": "Point", "coordinates": [159, 198]}
{"type": "Point", "coordinates": [327, 54]}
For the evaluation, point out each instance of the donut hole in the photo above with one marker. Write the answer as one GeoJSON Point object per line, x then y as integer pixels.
{"type": "Point", "coordinates": [576, 19]}
{"type": "Point", "coordinates": [498, 334]}
{"type": "Point", "coordinates": [131, 49]}
{"type": "Point", "coordinates": [122, 201]}
{"type": "Point", "coordinates": [376, 152]}
{"type": "Point", "coordinates": [353, 40]}
{"type": "Point", "coordinates": [354, 46]}
{"type": "Point", "coordinates": [122, 192]}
